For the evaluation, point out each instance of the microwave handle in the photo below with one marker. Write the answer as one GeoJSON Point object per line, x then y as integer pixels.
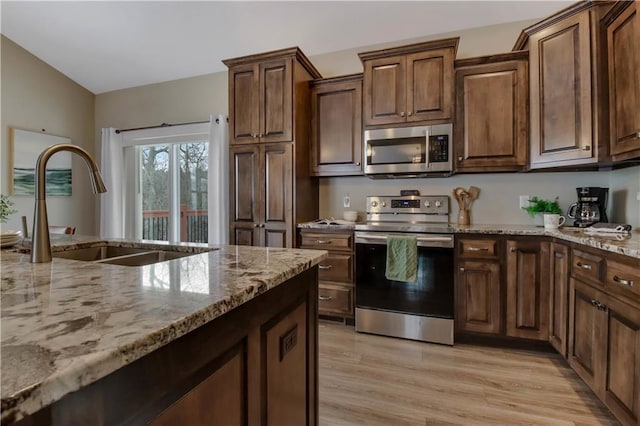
{"type": "Point", "coordinates": [426, 145]}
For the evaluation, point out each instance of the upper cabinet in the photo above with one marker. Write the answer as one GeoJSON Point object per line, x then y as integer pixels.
{"type": "Point", "coordinates": [409, 84]}
{"type": "Point", "coordinates": [261, 95]}
{"type": "Point", "coordinates": [623, 64]}
{"type": "Point", "coordinates": [336, 126]}
{"type": "Point", "coordinates": [491, 113]}
{"type": "Point", "coordinates": [566, 85]}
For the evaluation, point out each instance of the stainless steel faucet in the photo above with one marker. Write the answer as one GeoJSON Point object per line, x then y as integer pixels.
{"type": "Point", "coordinates": [40, 243]}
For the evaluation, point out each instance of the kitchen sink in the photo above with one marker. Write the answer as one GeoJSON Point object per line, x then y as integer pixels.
{"type": "Point", "coordinates": [125, 256]}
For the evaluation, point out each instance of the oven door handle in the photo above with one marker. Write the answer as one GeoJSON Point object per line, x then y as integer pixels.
{"type": "Point", "coordinates": [423, 240]}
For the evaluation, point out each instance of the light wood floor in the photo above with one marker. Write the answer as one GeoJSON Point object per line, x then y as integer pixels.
{"type": "Point", "coordinates": [374, 380]}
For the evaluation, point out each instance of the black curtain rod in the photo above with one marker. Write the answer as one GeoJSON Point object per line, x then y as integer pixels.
{"type": "Point", "coordinates": [165, 125]}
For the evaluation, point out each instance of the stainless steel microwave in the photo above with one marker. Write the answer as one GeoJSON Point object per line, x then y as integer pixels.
{"type": "Point", "coordinates": [408, 151]}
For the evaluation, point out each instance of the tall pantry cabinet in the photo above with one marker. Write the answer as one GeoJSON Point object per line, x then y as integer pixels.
{"type": "Point", "coordinates": [270, 185]}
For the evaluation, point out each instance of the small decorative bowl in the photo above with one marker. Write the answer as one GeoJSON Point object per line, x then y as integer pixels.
{"type": "Point", "coordinates": [350, 215]}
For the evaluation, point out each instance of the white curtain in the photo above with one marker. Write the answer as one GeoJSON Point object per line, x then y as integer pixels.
{"type": "Point", "coordinates": [218, 180]}
{"type": "Point", "coordinates": [112, 202]}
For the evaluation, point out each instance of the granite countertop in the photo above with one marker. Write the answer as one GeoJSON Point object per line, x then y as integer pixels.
{"type": "Point", "coordinates": [67, 323]}
{"type": "Point", "coordinates": [625, 244]}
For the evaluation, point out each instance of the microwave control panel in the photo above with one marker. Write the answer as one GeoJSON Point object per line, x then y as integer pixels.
{"type": "Point", "coordinates": [439, 148]}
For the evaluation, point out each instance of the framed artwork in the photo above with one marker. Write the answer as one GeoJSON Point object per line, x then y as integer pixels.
{"type": "Point", "coordinates": [25, 147]}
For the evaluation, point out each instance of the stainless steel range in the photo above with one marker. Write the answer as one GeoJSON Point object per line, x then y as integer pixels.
{"type": "Point", "coordinates": [420, 310]}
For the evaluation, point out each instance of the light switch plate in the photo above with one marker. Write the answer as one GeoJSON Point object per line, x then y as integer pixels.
{"type": "Point", "coordinates": [346, 201]}
{"type": "Point", "coordinates": [524, 201]}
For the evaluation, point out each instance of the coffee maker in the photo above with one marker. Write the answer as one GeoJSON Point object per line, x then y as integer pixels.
{"type": "Point", "coordinates": [591, 206]}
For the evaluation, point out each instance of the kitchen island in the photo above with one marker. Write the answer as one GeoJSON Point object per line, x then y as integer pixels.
{"type": "Point", "coordinates": [228, 329]}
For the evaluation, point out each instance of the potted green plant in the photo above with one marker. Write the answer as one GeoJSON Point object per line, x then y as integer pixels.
{"type": "Point", "coordinates": [537, 207]}
{"type": "Point", "coordinates": [6, 208]}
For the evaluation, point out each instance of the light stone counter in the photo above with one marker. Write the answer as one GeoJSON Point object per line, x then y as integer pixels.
{"type": "Point", "coordinates": [628, 245]}
{"type": "Point", "coordinates": [67, 323]}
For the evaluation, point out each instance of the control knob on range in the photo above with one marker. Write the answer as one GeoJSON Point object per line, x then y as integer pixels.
{"type": "Point", "coordinates": [384, 204]}
{"type": "Point", "coordinates": [438, 203]}
{"type": "Point", "coordinates": [374, 204]}
{"type": "Point", "coordinates": [427, 203]}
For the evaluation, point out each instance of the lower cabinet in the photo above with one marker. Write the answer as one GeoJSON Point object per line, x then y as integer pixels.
{"type": "Point", "coordinates": [558, 296]}
{"type": "Point", "coordinates": [336, 286]}
{"type": "Point", "coordinates": [604, 346]}
{"type": "Point", "coordinates": [527, 282]}
{"type": "Point", "coordinates": [478, 307]}
{"type": "Point", "coordinates": [502, 287]}
{"type": "Point", "coordinates": [255, 365]}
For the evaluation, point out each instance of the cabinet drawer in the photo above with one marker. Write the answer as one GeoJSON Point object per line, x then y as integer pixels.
{"type": "Point", "coordinates": [326, 241]}
{"type": "Point", "coordinates": [335, 299]}
{"type": "Point", "coordinates": [623, 279]}
{"type": "Point", "coordinates": [587, 266]}
{"type": "Point", "coordinates": [478, 248]}
{"type": "Point", "coordinates": [336, 267]}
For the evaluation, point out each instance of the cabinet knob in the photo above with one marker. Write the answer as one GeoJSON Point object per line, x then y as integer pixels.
{"type": "Point", "coordinates": [262, 225]}
{"type": "Point", "coordinates": [256, 225]}
{"type": "Point", "coordinates": [584, 266]}
{"type": "Point", "coordinates": [401, 113]}
{"type": "Point", "coordinates": [358, 163]}
{"type": "Point", "coordinates": [260, 135]}
{"type": "Point", "coordinates": [623, 281]}
{"type": "Point", "coordinates": [461, 269]}
{"type": "Point", "coordinates": [594, 302]}
{"type": "Point", "coordinates": [513, 249]}
{"type": "Point", "coordinates": [409, 113]}
{"type": "Point", "coordinates": [460, 158]}
{"type": "Point", "coordinates": [586, 148]}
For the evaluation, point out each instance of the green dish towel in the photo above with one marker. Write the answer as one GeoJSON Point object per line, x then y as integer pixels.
{"type": "Point", "coordinates": [402, 258]}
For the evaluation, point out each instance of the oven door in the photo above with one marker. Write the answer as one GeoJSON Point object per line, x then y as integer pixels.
{"type": "Point", "coordinates": [430, 295]}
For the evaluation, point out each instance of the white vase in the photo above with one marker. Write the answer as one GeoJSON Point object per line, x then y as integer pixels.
{"type": "Point", "coordinates": [538, 220]}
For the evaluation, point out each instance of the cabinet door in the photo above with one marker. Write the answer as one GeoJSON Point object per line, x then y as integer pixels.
{"type": "Point", "coordinates": [385, 90]}
{"type": "Point", "coordinates": [585, 334]}
{"type": "Point", "coordinates": [622, 352]}
{"type": "Point", "coordinates": [623, 41]}
{"type": "Point", "coordinates": [560, 82]}
{"type": "Point", "coordinates": [286, 394]}
{"type": "Point", "coordinates": [336, 129]}
{"type": "Point", "coordinates": [477, 305]}
{"type": "Point", "coordinates": [430, 85]}
{"type": "Point", "coordinates": [491, 117]}
{"type": "Point", "coordinates": [276, 95]}
{"type": "Point", "coordinates": [527, 289]}
{"type": "Point", "coordinates": [559, 297]}
{"type": "Point", "coordinates": [277, 190]}
{"type": "Point", "coordinates": [243, 103]}
{"type": "Point", "coordinates": [245, 200]}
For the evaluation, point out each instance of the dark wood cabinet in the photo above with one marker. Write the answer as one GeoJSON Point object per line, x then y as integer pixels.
{"type": "Point", "coordinates": [409, 84]}
{"type": "Point", "coordinates": [604, 330]}
{"type": "Point", "coordinates": [336, 273]}
{"type": "Point", "coordinates": [623, 50]}
{"type": "Point", "coordinates": [271, 186]}
{"type": "Point", "coordinates": [336, 126]}
{"type": "Point", "coordinates": [478, 301]}
{"type": "Point", "coordinates": [559, 296]}
{"type": "Point", "coordinates": [261, 195]}
{"type": "Point", "coordinates": [256, 364]}
{"type": "Point", "coordinates": [478, 287]}
{"type": "Point", "coordinates": [491, 113]}
{"type": "Point", "coordinates": [260, 96]}
{"type": "Point", "coordinates": [567, 120]}
{"type": "Point", "coordinates": [527, 283]}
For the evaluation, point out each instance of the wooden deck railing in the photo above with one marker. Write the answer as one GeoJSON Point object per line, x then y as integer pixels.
{"type": "Point", "coordinates": [193, 225]}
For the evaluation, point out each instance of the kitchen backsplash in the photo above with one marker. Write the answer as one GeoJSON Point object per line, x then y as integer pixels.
{"type": "Point", "coordinates": [499, 198]}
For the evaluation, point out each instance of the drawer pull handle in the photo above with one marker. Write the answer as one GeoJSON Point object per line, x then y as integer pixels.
{"type": "Point", "coordinates": [325, 267]}
{"type": "Point", "coordinates": [323, 242]}
{"type": "Point", "coordinates": [325, 298]}
{"type": "Point", "coordinates": [622, 281]}
{"type": "Point", "coordinates": [584, 266]}
{"type": "Point", "coordinates": [478, 249]}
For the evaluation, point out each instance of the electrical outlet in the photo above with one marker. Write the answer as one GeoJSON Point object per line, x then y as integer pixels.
{"type": "Point", "coordinates": [346, 202]}
{"type": "Point", "coordinates": [524, 201]}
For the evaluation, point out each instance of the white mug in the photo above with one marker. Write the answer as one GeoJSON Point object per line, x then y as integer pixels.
{"type": "Point", "coordinates": [553, 221]}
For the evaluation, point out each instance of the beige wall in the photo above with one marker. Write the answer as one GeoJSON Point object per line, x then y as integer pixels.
{"type": "Point", "coordinates": [624, 191]}
{"type": "Point", "coordinates": [35, 97]}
